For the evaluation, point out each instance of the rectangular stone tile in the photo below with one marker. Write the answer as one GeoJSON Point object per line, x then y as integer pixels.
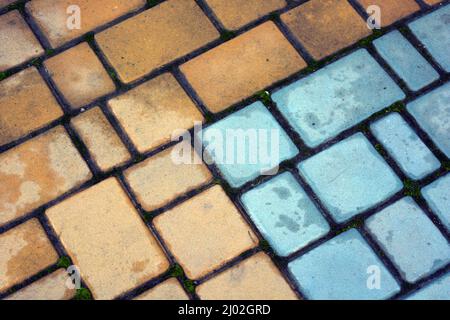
{"type": "Point", "coordinates": [437, 196]}
{"type": "Point", "coordinates": [337, 97]}
{"type": "Point", "coordinates": [392, 10]}
{"type": "Point", "coordinates": [53, 16]}
{"type": "Point", "coordinates": [439, 289]}
{"type": "Point", "coordinates": [168, 290]}
{"type": "Point", "coordinates": [242, 66]}
{"type": "Point", "coordinates": [26, 104]}
{"type": "Point", "coordinates": [156, 37]}
{"type": "Point", "coordinates": [37, 172]}
{"type": "Point", "coordinates": [26, 251]}
{"type": "Point", "coordinates": [107, 239]}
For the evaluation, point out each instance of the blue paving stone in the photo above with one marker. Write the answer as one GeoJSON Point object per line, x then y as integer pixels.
{"type": "Point", "coordinates": [410, 239]}
{"type": "Point", "coordinates": [255, 118]}
{"type": "Point", "coordinates": [437, 196]}
{"type": "Point", "coordinates": [284, 214]}
{"type": "Point", "coordinates": [337, 97]}
{"type": "Point", "coordinates": [350, 177]}
{"type": "Point", "coordinates": [439, 289]}
{"type": "Point", "coordinates": [406, 61]}
{"type": "Point", "coordinates": [432, 112]}
{"type": "Point", "coordinates": [341, 269]}
{"type": "Point", "coordinates": [410, 153]}
{"type": "Point", "coordinates": [433, 30]}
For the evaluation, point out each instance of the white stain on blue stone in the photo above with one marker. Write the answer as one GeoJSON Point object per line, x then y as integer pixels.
{"type": "Point", "coordinates": [437, 196]}
{"type": "Point", "coordinates": [439, 289]}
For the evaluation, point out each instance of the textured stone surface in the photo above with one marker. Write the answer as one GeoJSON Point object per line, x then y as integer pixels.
{"type": "Point", "coordinates": [392, 10]}
{"type": "Point", "coordinates": [438, 198]}
{"type": "Point", "coordinates": [439, 289]}
{"type": "Point", "coordinates": [4, 3]}
{"type": "Point", "coordinates": [168, 290]}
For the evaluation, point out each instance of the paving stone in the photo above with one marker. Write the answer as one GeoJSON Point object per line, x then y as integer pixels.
{"type": "Point", "coordinates": [153, 111]}
{"type": "Point", "coordinates": [242, 66]}
{"type": "Point", "coordinates": [405, 60]}
{"type": "Point", "coordinates": [18, 42]}
{"type": "Point", "coordinates": [438, 198]}
{"type": "Point", "coordinates": [168, 290]}
{"type": "Point", "coordinates": [156, 37]}
{"type": "Point", "coordinates": [255, 278]}
{"type": "Point", "coordinates": [159, 179]}
{"type": "Point", "coordinates": [26, 104]}
{"type": "Point", "coordinates": [337, 97]}
{"type": "Point", "coordinates": [433, 30]}
{"type": "Point", "coordinates": [247, 144]}
{"type": "Point", "coordinates": [436, 123]}
{"type": "Point", "coordinates": [392, 10]}
{"type": "Point", "coordinates": [341, 269]}
{"type": "Point", "coordinates": [37, 172]}
{"type": "Point", "coordinates": [410, 239]}
{"type": "Point", "coordinates": [234, 14]}
{"type": "Point", "coordinates": [103, 143]}
{"type": "Point", "coordinates": [26, 251]}
{"type": "Point", "coordinates": [439, 289]}
{"type": "Point", "coordinates": [284, 214]}
{"type": "Point", "coordinates": [53, 16]}
{"type": "Point", "coordinates": [79, 75]}
{"type": "Point", "coordinates": [350, 177]}
{"type": "Point", "coordinates": [107, 239]}
{"type": "Point", "coordinates": [205, 232]}
{"type": "Point", "coordinates": [403, 144]}
{"type": "Point", "coordinates": [4, 3]}
{"type": "Point", "coordinates": [432, 2]}
{"type": "Point", "coordinates": [325, 26]}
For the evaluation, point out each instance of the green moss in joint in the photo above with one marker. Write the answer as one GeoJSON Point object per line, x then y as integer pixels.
{"type": "Point", "coordinates": [264, 96]}
{"type": "Point", "coordinates": [189, 285]}
{"type": "Point", "coordinates": [227, 35]}
{"type": "Point", "coordinates": [64, 262]}
{"type": "Point", "coordinates": [83, 294]}
{"type": "Point", "coordinates": [411, 188]}
{"type": "Point", "coordinates": [176, 271]}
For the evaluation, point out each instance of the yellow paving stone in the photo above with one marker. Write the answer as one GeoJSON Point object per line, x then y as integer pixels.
{"type": "Point", "coordinates": [256, 278]}
{"type": "Point", "coordinates": [4, 3]}
{"type": "Point", "coordinates": [26, 104]}
{"type": "Point", "coordinates": [235, 14]}
{"type": "Point", "coordinates": [107, 239]}
{"type": "Point", "coordinates": [205, 232]}
{"type": "Point", "coordinates": [156, 37]}
{"type": "Point", "coordinates": [103, 143]}
{"type": "Point", "coordinates": [159, 179]}
{"type": "Point", "coordinates": [37, 172]}
{"type": "Point", "coordinates": [79, 75]}
{"type": "Point", "coordinates": [25, 252]}
{"type": "Point", "coordinates": [52, 16]}
{"type": "Point", "coordinates": [325, 26]}
{"type": "Point", "coordinates": [51, 287]}
{"type": "Point", "coordinates": [151, 112]}
{"type": "Point", "coordinates": [392, 10]}
{"type": "Point", "coordinates": [18, 43]}
{"type": "Point", "coordinates": [168, 290]}
{"type": "Point", "coordinates": [242, 66]}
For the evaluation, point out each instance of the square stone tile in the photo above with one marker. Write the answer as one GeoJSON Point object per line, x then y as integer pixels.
{"type": "Point", "coordinates": [437, 196]}
{"type": "Point", "coordinates": [205, 232]}
{"type": "Point", "coordinates": [168, 290]}
{"type": "Point", "coordinates": [107, 239]}
{"type": "Point", "coordinates": [392, 10]}
{"type": "Point", "coordinates": [410, 239]}
{"type": "Point", "coordinates": [255, 278]}
{"type": "Point", "coordinates": [153, 111]}
{"type": "Point", "coordinates": [439, 289]}
{"type": "Point", "coordinates": [242, 66]}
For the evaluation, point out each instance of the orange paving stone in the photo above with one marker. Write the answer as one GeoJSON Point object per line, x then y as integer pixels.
{"type": "Point", "coordinates": [234, 14]}
{"type": "Point", "coordinates": [103, 143]}
{"type": "Point", "coordinates": [26, 251]}
{"type": "Point", "coordinates": [18, 43]}
{"type": "Point", "coordinates": [168, 290]}
{"type": "Point", "coordinates": [151, 112]}
{"type": "Point", "coordinates": [156, 37]}
{"type": "Point", "coordinates": [26, 104]}
{"type": "Point", "coordinates": [79, 75]}
{"type": "Point", "coordinates": [107, 239]}
{"type": "Point", "coordinates": [52, 16]}
{"type": "Point", "coordinates": [205, 232]}
{"type": "Point", "coordinates": [256, 278]}
{"type": "Point", "coordinates": [325, 26]}
{"type": "Point", "coordinates": [392, 10]}
{"type": "Point", "coordinates": [37, 172]}
{"type": "Point", "coordinates": [239, 68]}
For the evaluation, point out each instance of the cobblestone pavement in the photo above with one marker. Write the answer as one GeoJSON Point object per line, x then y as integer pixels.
{"type": "Point", "coordinates": [360, 205]}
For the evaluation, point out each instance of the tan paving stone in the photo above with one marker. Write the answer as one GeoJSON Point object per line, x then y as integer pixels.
{"type": "Point", "coordinates": [26, 104]}
{"type": "Point", "coordinates": [256, 278]}
{"type": "Point", "coordinates": [37, 172]}
{"type": "Point", "coordinates": [242, 66]}
{"type": "Point", "coordinates": [168, 290]}
{"type": "Point", "coordinates": [106, 238]}
{"type": "Point", "coordinates": [325, 26]}
{"type": "Point", "coordinates": [103, 143]}
{"type": "Point", "coordinates": [235, 14]}
{"type": "Point", "coordinates": [26, 251]}
{"type": "Point", "coordinates": [79, 75]}
{"type": "Point", "coordinates": [151, 112]}
{"type": "Point", "coordinates": [4, 3]}
{"type": "Point", "coordinates": [18, 43]}
{"type": "Point", "coordinates": [156, 37]}
{"type": "Point", "coordinates": [392, 10]}
{"type": "Point", "coordinates": [205, 232]}
{"type": "Point", "coordinates": [51, 16]}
